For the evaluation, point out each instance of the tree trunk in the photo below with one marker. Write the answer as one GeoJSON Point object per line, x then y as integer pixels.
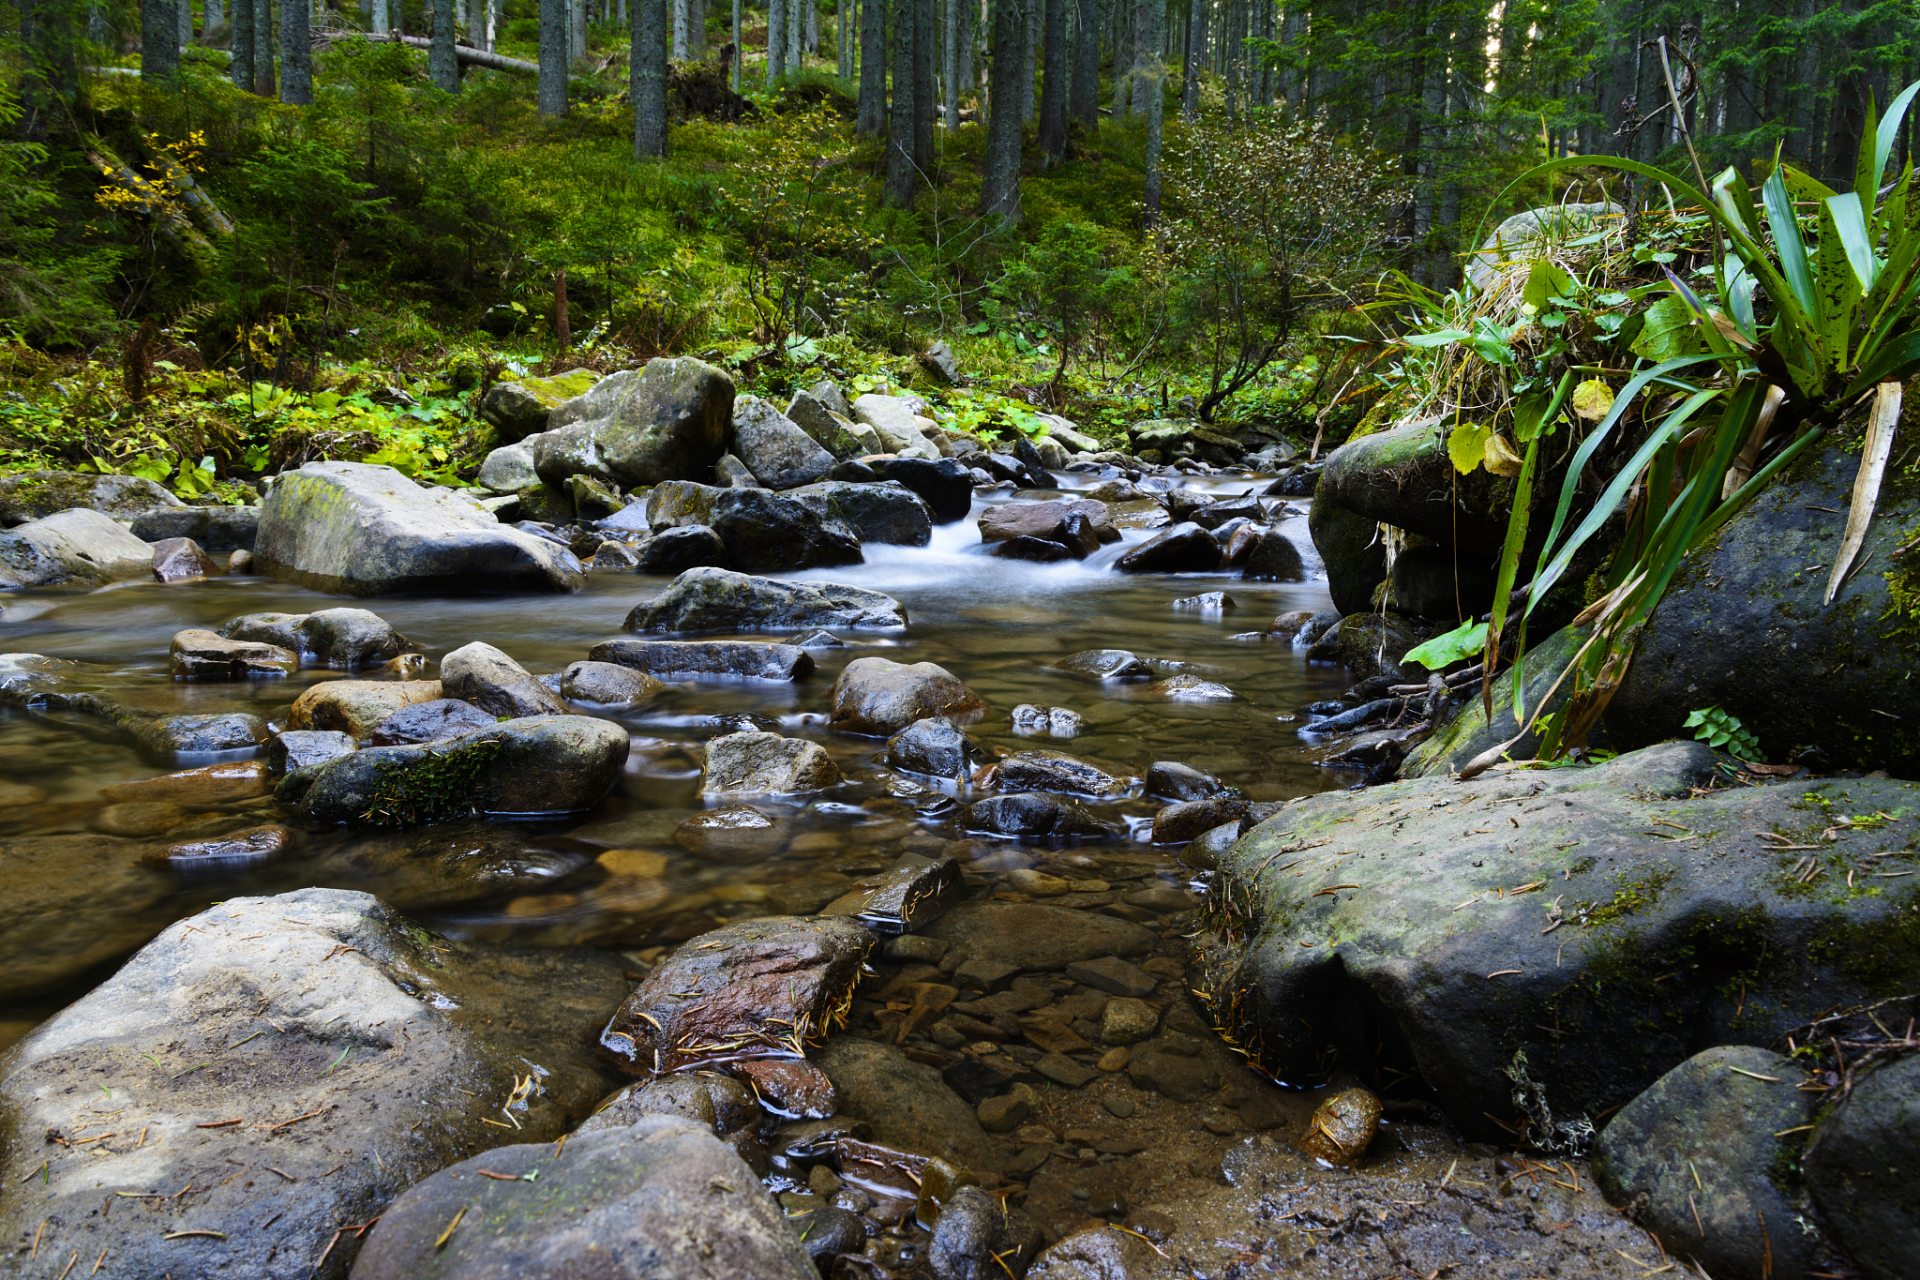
{"type": "Point", "coordinates": [776, 40]}
{"type": "Point", "coordinates": [739, 50]}
{"type": "Point", "coordinates": [647, 78]}
{"type": "Point", "coordinates": [159, 41]}
{"type": "Point", "coordinates": [950, 62]}
{"type": "Point", "coordinates": [871, 115]}
{"type": "Point", "coordinates": [845, 23]}
{"type": "Point", "coordinates": [1142, 65]}
{"type": "Point", "coordinates": [680, 17]}
{"type": "Point", "coordinates": [377, 20]}
{"type": "Point", "coordinates": [963, 52]}
{"type": "Point", "coordinates": [1030, 62]}
{"type": "Point", "coordinates": [443, 67]}
{"type": "Point", "coordinates": [1122, 59]}
{"type": "Point", "coordinates": [577, 29]}
{"type": "Point", "coordinates": [1156, 110]}
{"type": "Point", "coordinates": [925, 29]}
{"type": "Point", "coordinates": [296, 51]}
{"type": "Point", "coordinates": [183, 11]}
{"type": "Point", "coordinates": [240, 41]}
{"type": "Point", "coordinates": [900, 111]}
{"type": "Point", "coordinates": [1000, 192]}
{"type": "Point", "coordinates": [212, 14]}
{"type": "Point", "coordinates": [263, 78]}
{"type": "Point", "coordinates": [813, 27]}
{"type": "Point", "coordinates": [796, 34]}
{"type": "Point", "coordinates": [1055, 70]}
{"type": "Point", "coordinates": [562, 333]}
{"type": "Point", "coordinates": [1191, 61]}
{"type": "Point", "coordinates": [493, 24]}
{"type": "Point", "coordinates": [1085, 100]}
{"type": "Point", "coordinates": [554, 60]}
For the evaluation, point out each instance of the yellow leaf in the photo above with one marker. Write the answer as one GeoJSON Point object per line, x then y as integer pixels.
{"type": "Point", "coordinates": [1592, 400]}
{"type": "Point", "coordinates": [1501, 459]}
{"type": "Point", "coordinates": [1468, 445]}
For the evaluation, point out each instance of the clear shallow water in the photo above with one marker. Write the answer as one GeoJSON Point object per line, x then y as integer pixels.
{"type": "Point", "coordinates": [83, 899]}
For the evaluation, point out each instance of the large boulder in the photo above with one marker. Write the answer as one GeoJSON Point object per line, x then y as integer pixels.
{"type": "Point", "coordinates": [761, 529]}
{"type": "Point", "coordinates": [218, 529]}
{"type": "Point", "coordinates": [1742, 627]}
{"type": "Point", "coordinates": [1009, 520]}
{"type": "Point", "coordinates": [354, 529]}
{"type": "Point", "coordinates": [1351, 552]}
{"type": "Point", "coordinates": [197, 654]}
{"type": "Point", "coordinates": [344, 638]}
{"type": "Point", "coordinates": [766, 764]}
{"type": "Point", "coordinates": [1468, 734]}
{"type": "Point", "coordinates": [516, 410]}
{"type": "Point", "coordinates": [79, 546]}
{"type": "Point", "coordinates": [944, 484]}
{"type": "Point", "coordinates": [34, 495]}
{"type": "Point", "coordinates": [1368, 644]}
{"type": "Point", "coordinates": [878, 697]}
{"type": "Point", "coordinates": [1696, 1157]}
{"type": "Point", "coordinates": [260, 1053]}
{"type": "Point", "coordinates": [1861, 1170]}
{"type": "Point", "coordinates": [1183, 548]}
{"type": "Point", "coordinates": [1404, 477]}
{"type": "Point", "coordinates": [774, 448]}
{"type": "Point", "coordinates": [668, 421]}
{"type": "Point", "coordinates": [824, 426]}
{"type": "Point", "coordinates": [490, 680]}
{"type": "Point", "coordinates": [1565, 937]}
{"type": "Point", "coordinates": [710, 599]}
{"type": "Point", "coordinates": [662, 1199]}
{"type": "Point", "coordinates": [888, 512]}
{"type": "Point", "coordinates": [539, 764]}
{"type": "Point", "coordinates": [898, 420]}
{"type": "Point", "coordinates": [707, 659]}
{"type": "Point", "coordinates": [1516, 242]}
{"type": "Point", "coordinates": [357, 707]}
{"type": "Point", "coordinates": [508, 469]}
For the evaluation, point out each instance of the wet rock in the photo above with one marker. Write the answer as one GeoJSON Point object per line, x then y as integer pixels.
{"type": "Point", "coordinates": [449, 863]}
{"type": "Point", "coordinates": [35, 495]}
{"type": "Point", "coordinates": [905, 1103]}
{"type": "Point", "coordinates": [661, 1200]}
{"type": "Point", "coordinates": [213, 784]}
{"type": "Point", "coordinates": [1104, 1253]}
{"type": "Point", "coordinates": [1007, 1112]}
{"type": "Point", "coordinates": [1032, 550]}
{"type": "Point", "coordinates": [343, 638]}
{"type": "Point", "coordinates": [214, 529]}
{"type": "Point", "coordinates": [182, 560]}
{"type": "Point", "coordinates": [519, 409]}
{"type": "Point", "coordinates": [608, 684]}
{"type": "Point", "coordinates": [897, 420]}
{"type": "Point", "coordinates": [1187, 820]}
{"type": "Point", "coordinates": [731, 473]}
{"type": "Point", "coordinates": [935, 746]}
{"type": "Point", "coordinates": [1212, 515]}
{"type": "Point", "coordinates": [354, 529]}
{"type": "Point", "coordinates": [226, 855]}
{"type": "Point", "coordinates": [830, 1232]}
{"type": "Point", "coordinates": [1035, 816]}
{"type": "Point", "coordinates": [1753, 637]}
{"type": "Point", "coordinates": [1056, 722]}
{"type": "Point", "coordinates": [431, 722]}
{"type": "Point", "coordinates": [825, 426]}
{"type": "Point", "coordinates": [174, 737]}
{"type": "Point", "coordinates": [792, 1088]}
{"type": "Point", "coordinates": [496, 684]}
{"type": "Point", "coordinates": [1104, 665]}
{"type": "Point", "coordinates": [1037, 936]}
{"type": "Point", "coordinates": [614, 557]}
{"type": "Point", "coordinates": [761, 988]}
{"type": "Point", "coordinates": [1342, 1128]}
{"type": "Point", "coordinates": [1368, 645]}
{"type": "Point", "coordinates": [721, 600]}
{"type": "Point", "coordinates": [1714, 903]}
{"type": "Point", "coordinates": [909, 895]}
{"type": "Point", "coordinates": [202, 655]}
{"type": "Point", "coordinates": [1273, 558]}
{"type": "Point", "coordinates": [1128, 1021]}
{"type": "Point", "coordinates": [1174, 1068]}
{"type": "Point", "coordinates": [1207, 602]}
{"type": "Point", "coordinates": [667, 421]}
{"type": "Point", "coordinates": [942, 483]}
{"type": "Point", "coordinates": [819, 639]}
{"type": "Point", "coordinates": [538, 764]}
{"type": "Point", "coordinates": [1170, 780]}
{"type": "Point", "coordinates": [1186, 687]}
{"type": "Point", "coordinates": [1183, 548]}
{"type": "Point", "coordinates": [80, 546]}
{"type": "Point", "coordinates": [1452, 746]}
{"type": "Point", "coordinates": [885, 512]}
{"type": "Point", "coordinates": [766, 764]}
{"type": "Point", "coordinates": [674, 551]}
{"type": "Point", "coordinates": [707, 659]}
{"type": "Point", "coordinates": [1861, 1173]}
{"type": "Point", "coordinates": [294, 748]}
{"type": "Point", "coordinates": [774, 448]}
{"type": "Point", "coordinates": [1043, 519]}
{"type": "Point", "coordinates": [877, 697]}
{"type": "Point", "coordinates": [1351, 553]}
{"type": "Point", "coordinates": [357, 707]}
{"type": "Point", "coordinates": [734, 833]}
{"type": "Point", "coordinates": [1402, 476]}
{"type": "Point", "coordinates": [508, 469]}
{"type": "Point", "coordinates": [761, 529]}
{"type": "Point", "coordinates": [1694, 1159]}
{"type": "Point", "coordinates": [360, 1044]}
{"type": "Point", "coordinates": [717, 1102]}
{"type": "Point", "coordinates": [1113, 975]}
{"type": "Point", "coordinates": [1056, 771]}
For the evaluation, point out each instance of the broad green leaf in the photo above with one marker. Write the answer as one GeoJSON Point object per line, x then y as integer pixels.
{"type": "Point", "coordinates": [1669, 331]}
{"type": "Point", "coordinates": [1850, 220]}
{"type": "Point", "coordinates": [324, 400]}
{"type": "Point", "coordinates": [1889, 133]}
{"type": "Point", "coordinates": [1545, 282]}
{"type": "Point", "coordinates": [1464, 641]}
{"type": "Point", "coordinates": [1529, 414]}
{"type": "Point", "coordinates": [1438, 338]}
{"type": "Point", "coordinates": [1467, 446]}
{"type": "Point", "coordinates": [1789, 243]}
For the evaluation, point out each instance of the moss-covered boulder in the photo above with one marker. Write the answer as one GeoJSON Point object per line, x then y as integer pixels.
{"type": "Point", "coordinates": [1469, 732]}
{"type": "Point", "coordinates": [30, 495]}
{"type": "Point", "coordinates": [537, 764]}
{"type": "Point", "coordinates": [668, 421]}
{"type": "Point", "coordinates": [516, 410]}
{"type": "Point", "coordinates": [355, 529]}
{"type": "Point", "coordinates": [1540, 945]}
{"type": "Point", "coordinates": [1743, 627]}
{"type": "Point", "coordinates": [712, 599]}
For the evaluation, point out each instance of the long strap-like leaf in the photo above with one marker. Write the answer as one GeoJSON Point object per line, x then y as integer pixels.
{"type": "Point", "coordinates": [1878, 447]}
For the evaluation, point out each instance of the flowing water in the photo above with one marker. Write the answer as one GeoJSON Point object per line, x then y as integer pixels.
{"type": "Point", "coordinates": [995, 623]}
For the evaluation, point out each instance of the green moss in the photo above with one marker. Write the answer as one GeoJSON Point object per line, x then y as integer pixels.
{"type": "Point", "coordinates": [1881, 956]}
{"type": "Point", "coordinates": [433, 788]}
{"type": "Point", "coordinates": [1636, 894]}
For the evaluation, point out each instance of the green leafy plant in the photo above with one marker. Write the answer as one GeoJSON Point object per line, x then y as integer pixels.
{"type": "Point", "coordinates": [1467, 640]}
{"type": "Point", "coordinates": [1724, 732]}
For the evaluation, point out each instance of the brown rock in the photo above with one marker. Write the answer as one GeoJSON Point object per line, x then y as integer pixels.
{"type": "Point", "coordinates": [215, 784]}
{"type": "Point", "coordinates": [182, 560]}
{"type": "Point", "coordinates": [357, 707]}
{"type": "Point", "coordinates": [1342, 1127]}
{"type": "Point", "coordinates": [879, 698]}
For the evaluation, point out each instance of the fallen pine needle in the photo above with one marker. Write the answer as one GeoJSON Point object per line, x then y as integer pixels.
{"type": "Point", "coordinates": [1756, 1075]}
{"type": "Point", "coordinates": [216, 1124]}
{"type": "Point", "coordinates": [447, 1235]}
{"type": "Point", "coordinates": [1150, 1244]}
{"type": "Point", "coordinates": [76, 1253]}
{"type": "Point", "coordinates": [296, 1120]}
{"type": "Point", "coordinates": [100, 1261]}
{"type": "Point", "coordinates": [498, 1177]}
{"type": "Point", "coordinates": [1799, 1128]}
{"type": "Point", "coordinates": [181, 1235]}
{"type": "Point", "coordinates": [1501, 973]}
{"type": "Point", "coordinates": [36, 1240]}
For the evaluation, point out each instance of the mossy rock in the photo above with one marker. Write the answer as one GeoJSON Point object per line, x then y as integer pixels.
{"type": "Point", "coordinates": [516, 410]}
{"type": "Point", "coordinates": [30, 495]}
